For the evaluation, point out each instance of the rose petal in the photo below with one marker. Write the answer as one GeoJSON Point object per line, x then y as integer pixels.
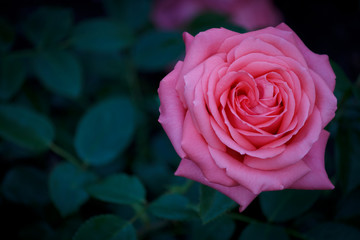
{"type": "Point", "coordinates": [195, 98]}
{"type": "Point", "coordinates": [172, 113]}
{"type": "Point", "coordinates": [204, 45]}
{"type": "Point", "coordinates": [239, 146]}
{"type": "Point", "coordinates": [235, 40]}
{"type": "Point", "coordinates": [317, 177]}
{"type": "Point", "coordinates": [295, 150]}
{"type": "Point", "coordinates": [283, 44]}
{"type": "Point", "coordinates": [188, 38]}
{"type": "Point", "coordinates": [258, 180]}
{"type": "Point", "coordinates": [196, 149]}
{"type": "Point", "coordinates": [255, 45]}
{"type": "Point", "coordinates": [319, 63]}
{"type": "Point", "coordinates": [238, 193]}
{"type": "Point", "coordinates": [325, 99]}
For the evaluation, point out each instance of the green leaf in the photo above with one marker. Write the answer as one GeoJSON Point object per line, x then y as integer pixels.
{"type": "Point", "coordinates": [220, 229]}
{"type": "Point", "coordinates": [287, 204]}
{"type": "Point", "coordinates": [333, 231]}
{"type": "Point", "coordinates": [163, 151]}
{"type": "Point", "coordinates": [26, 185]}
{"type": "Point", "coordinates": [262, 231]}
{"type": "Point", "coordinates": [154, 176]}
{"type": "Point", "coordinates": [67, 180]}
{"type": "Point", "coordinates": [11, 151]}
{"type": "Point", "coordinates": [213, 203]}
{"type": "Point", "coordinates": [348, 206]}
{"type": "Point", "coordinates": [25, 127]}
{"type": "Point", "coordinates": [105, 131]}
{"type": "Point", "coordinates": [157, 50]}
{"type": "Point", "coordinates": [106, 227]}
{"type": "Point", "coordinates": [211, 20]}
{"type": "Point", "coordinates": [47, 26]}
{"type": "Point", "coordinates": [103, 65]}
{"type": "Point", "coordinates": [343, 85]}
{"type": "Point", "coordinates": [124, 10]}
{"type": "Point", "coordinates": [101, 35]}
{"type": "Point", "coordinates": [110, 168]}
{"type": "Point", "coordinates": [12, 75]}
{"type": "Point", "coordinates": [206, 21]}
{"type": "Point", "coordinates": [172, 206]}
{"type": "Point", "coordinates": [354, 169]}
{"type": "Point", "coordinates": [164, 236]}
{"type": "Point", "coordinates": [37, 231]}
{"type": "Point", "coordinates": [347, 152]}
{"type": "Point", "coordinates": [120, 189]}
{"type": "Point", "coordinates": [59, 71]}
{"type": "Point", "coordinates": [7, 35]}
{"type": "Point", "coordinates": [67, 229]}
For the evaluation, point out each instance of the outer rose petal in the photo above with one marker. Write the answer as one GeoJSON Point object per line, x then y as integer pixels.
{"type": "Point", "coordinates": [203, 46]}
{"type": "Point", "coordinates": [197, 150]}
{"type": "Point", "coordinates": [317, 177]}
{"type": "Point", "coordinates": [319, 63]}
{"type": "Point", "coordinates": [188, 38]}
{"type": "Point", "coordinates": [239, 194]}
{"type": "Point", "coordinates": [325, 99]}
{"type": "Point", "coordinates": [172, 113]}
{"type": "Point", "coordinates": [257, 180]}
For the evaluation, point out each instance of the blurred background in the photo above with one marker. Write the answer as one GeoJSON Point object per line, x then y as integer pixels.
{"type": "Point", "coordinates": [83, 156]}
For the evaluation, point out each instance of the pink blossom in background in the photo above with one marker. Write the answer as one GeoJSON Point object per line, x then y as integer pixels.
{"type": "Point", "coordinates": [246, 112]}
{"type": "Point", "coordinates": [250, 14]}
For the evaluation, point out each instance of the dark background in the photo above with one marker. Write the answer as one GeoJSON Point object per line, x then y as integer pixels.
{"type": "Point", "coordinates": [327, 27]}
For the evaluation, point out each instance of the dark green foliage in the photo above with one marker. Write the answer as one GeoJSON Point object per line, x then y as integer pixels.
{"type": "Point", "coordinates": [166, 46]}
{"type": "Point", "coordinates": [7, 35]}
{"type": "Point", "coordinates": [120, 189]}
{"type": "Point", "coordinates": [105, 130]}
{"type": "Point", "coordinates": [212, 20]}
{"type": "Point", "coordinates": [333, 231]}
{"type": "Point", "coordinates": [261, 231]}
{"type": "Point", "coordinates": [68, 180]}
{"type": "Point", "coordinates": [47, 26]}
{"type": "Point", "coordinates": [134, 13]}
{"type": "Point", "coordinates": [106, 227]}
{"type": "Point", "coordinates": [26, 185]}
{"type": "Point", "coordinates": [284, 205]}
{"type": "Point", "coordinates": [101, 35]}
{"type": "Point", "coordinates": [172, 206]}
{"type": "Point", "coordinates": [25, 127]}
{"type": "Point", "coordinates": [59, 71]}
{"type": "Point", "coordinates": [12, 75]}
{"type": "Point", "coordinates": [220, 229]}
{"type": "Point", "coordinates": [213, 203]}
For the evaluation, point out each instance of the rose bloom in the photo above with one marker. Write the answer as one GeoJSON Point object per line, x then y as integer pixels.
{"type": "Point", "coordinates": [250, 14]}
{"type": "Point", "coordinates": [246, 112]}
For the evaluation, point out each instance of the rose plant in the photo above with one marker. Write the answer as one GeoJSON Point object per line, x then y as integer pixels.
{"type": "Point", "coordinates": [246, 112]}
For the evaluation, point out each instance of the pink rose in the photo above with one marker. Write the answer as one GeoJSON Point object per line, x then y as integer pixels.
{"type": "Point", "coordinates": [250, 14]}
{"type": "Point", "coordinates": [246, 112]}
